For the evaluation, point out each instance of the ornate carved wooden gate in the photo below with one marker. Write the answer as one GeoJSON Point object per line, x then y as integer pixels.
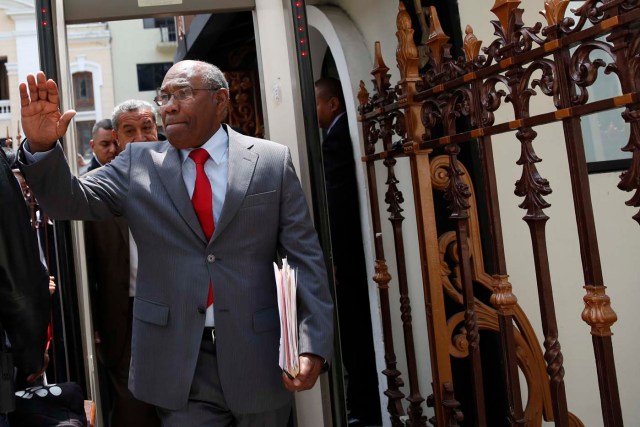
{"type": "Point", "coordinates": [421, 114]}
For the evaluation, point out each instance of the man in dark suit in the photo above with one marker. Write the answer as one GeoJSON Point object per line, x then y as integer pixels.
{"type": "Point", "coordinates": [210, 210]}
{"type": "Point", "coordinates": [103, 144]}
{"type": "Point", "coordinates": [352, 293]}
{"type": "Point", "coordinates": [112, 275]}
{"type": "Point", "coordinates": [24, 296]}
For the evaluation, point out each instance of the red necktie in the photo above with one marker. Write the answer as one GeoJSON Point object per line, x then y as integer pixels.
{"type": "Point", "coordinates": [202, 201]}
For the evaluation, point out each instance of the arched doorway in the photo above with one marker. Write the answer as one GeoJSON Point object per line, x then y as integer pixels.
{"type": "Point", "coordinates": [333, 39]}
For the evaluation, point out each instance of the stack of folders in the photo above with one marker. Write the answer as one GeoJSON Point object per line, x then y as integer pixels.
{"type": "Point", "coordinates": [286, 283]}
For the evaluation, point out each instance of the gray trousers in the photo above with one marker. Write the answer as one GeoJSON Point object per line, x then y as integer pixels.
{"type": "Point", "coordinates": [207, 406]}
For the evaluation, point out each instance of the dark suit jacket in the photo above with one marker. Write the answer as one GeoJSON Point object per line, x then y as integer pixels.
{"type": "Point", "coordinates": [107, 250]}
{"type": "Point", "coordinates": [24, 282]}
{"type": "Point", "coordinates": [352, 292]}
{"type": "Point", "coordinates": [342, 199]}
{"type": "Point", "coordinates": [94, 164]}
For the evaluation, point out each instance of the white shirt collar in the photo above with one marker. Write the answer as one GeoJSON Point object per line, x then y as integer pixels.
{"type": "Point", "coordinates": [217, 146]}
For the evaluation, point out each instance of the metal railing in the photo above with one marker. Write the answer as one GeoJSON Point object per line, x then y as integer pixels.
{"type": "Point", "coordinates": [422, 114]}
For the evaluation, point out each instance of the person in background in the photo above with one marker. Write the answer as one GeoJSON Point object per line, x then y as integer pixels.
{"type": "Point", "coordinates": [112, 262]}
{"type": "Point", "coordinates": [211, 210]}
{"type": "Point", "coordinates": [40, 224]}
{"type": "Point", "coordinates": [103, 144]}
{"type": "Point", "coordinates": [24, 296]}
{"type": "Point", "coordinates": [134, 120]}
{"type": "Point", "coordinates": [352, 293]}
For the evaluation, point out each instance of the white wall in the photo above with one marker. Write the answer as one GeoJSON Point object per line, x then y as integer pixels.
{"type": "Point", "coordinates": [132, 44]}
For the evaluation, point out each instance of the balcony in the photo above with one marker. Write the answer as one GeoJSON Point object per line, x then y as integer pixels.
{"type": "Point", "coordinates": [168, 42]}
{"type": "Point", "coordinates": [5, 109]}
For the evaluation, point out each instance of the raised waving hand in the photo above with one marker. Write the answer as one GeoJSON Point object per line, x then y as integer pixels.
{"type": "Point", "coordinates": [42, 121]}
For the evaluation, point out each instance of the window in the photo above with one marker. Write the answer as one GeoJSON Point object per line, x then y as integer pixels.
{"type": "Point", "coordinates": [83, 130]}
{"type": "Point", "coordinates": [4, 79]}
{"type": "Point", "coordinates": [150, 75]}
{"type": "Point", "coordinates": [167, 27]}
{"type": "Point", "coordinates": [83, 91]}
{"type": "Point", "coordinates": [606, 132]}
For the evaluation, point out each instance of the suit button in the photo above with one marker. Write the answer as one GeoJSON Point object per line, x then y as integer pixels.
{"type": "Point", "coordinates": [211, 258]}
{"type": "Point", "coordinates": [201, 309]}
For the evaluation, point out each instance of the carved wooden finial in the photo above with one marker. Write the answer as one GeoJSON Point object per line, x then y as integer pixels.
{"type": "Point", "coordinates": [378, 63]}
{"type": "Point", "coordinates": [407, 52]}
{"type": "Point", "coordinates": [403, 20]}
{"type": "Point", "coordinates": [18, 136]}
{"type": "Point", "coordinates": [380, 70]}
{"type": "Point", "coordinates": [363, 95]}
{"type": "Point", "coordinates": [402, 7]}
{"type": "Point", "coordinates": [598, 312]}
{"type": "Point", "coordinates": [381, 276]}
{"type": "Point", "coordinates": [503, 298]}
{"type": "Point", "coordinates": [502, 9]}
{"type": "Point", "coordinates": [554, 11]}
{"type": "Point", "coordinates": [437, 37]}
{"type": "Point", "coordinates": [471, 44]}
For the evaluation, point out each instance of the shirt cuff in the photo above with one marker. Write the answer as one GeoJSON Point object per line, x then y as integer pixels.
{"type": "Point", "coordinates": [30, 157]}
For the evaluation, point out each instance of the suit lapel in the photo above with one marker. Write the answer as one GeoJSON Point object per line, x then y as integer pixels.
{"type": "Point", "coordinates": [242, 163]}
{"type": "Point", "coordinates": [169, 169]}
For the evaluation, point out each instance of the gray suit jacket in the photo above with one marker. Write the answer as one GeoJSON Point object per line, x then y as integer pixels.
{"type": "Point", "coordinates": [264, 213]}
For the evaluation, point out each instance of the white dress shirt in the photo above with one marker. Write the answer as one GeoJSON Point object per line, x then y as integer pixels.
{"type": "Point", "coordinates": [217, 169]}
{"type": "Point", "coordinates": [133, 265]}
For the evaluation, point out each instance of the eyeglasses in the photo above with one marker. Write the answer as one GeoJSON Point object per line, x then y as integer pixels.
{"type": "Point", "coordinates": [182, 94]}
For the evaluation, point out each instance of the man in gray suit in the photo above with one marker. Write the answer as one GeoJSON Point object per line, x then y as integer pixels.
{"type": "Point", "coordinates": [198, 369]}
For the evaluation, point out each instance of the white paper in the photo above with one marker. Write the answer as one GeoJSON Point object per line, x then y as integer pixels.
{"type": "Point", "coordinates": [286, 284]}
